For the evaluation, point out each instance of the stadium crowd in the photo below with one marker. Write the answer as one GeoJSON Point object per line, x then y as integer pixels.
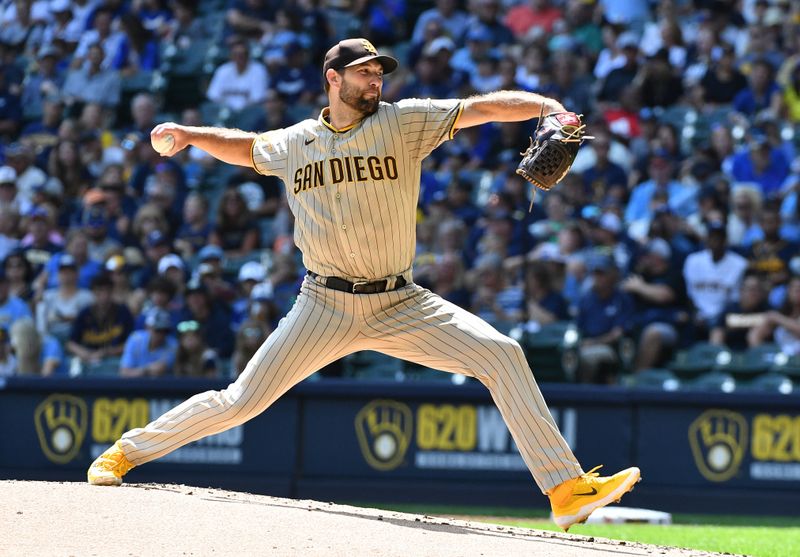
{"type": "Point", "coordinates": [678, 223]}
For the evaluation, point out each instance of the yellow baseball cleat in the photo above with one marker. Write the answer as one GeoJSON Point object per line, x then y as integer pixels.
{"type": "Point", "coordinates": [109, 467]}
{"type": "Point", "coordinates": [574, 500]}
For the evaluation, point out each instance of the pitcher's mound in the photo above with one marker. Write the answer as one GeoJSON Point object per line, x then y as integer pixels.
{"type": "Point", "coordinates": [51, 518]}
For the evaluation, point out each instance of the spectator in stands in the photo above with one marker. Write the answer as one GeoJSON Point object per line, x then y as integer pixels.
{"type": "Point", "coordinates": [157, 245]}
{"type": "Point", "coordinates": [770, 256]}
{"type": "Point", "coordinates": [9, 197]}
{"type": "Point", "coordinates": [599, 179]}
{"type": "Point", "coordinates": [682, 199]}
{"type": "Point", "coordinates": [148, 219]}
{"type": "Point", "coordinates": [10, 108]}
{"type": "Point", "coordinates": [249, 338]}
{"type": "Point", "coordinates": [11, 307]}
{"type": "Point", "coordinates": [36, 353]}
{"type": "Point", "coordinates": [241, 82]}
{"type": "Point", "coordinates": [761, 164]}
{"type": "Point", "coordinates": [494, 299]}
{"type": "Point", "coordinates": [296, 80]}
{"type": "Point", "coordinates": [100, 245]}
{"type": "Point", "coordinates": [783, 326]}
{"type": "Point", "coordinates": [138, 49]}
{"type": "Point", "coordinates": [532, 18]}
{"type": "Point", "coordinates": [8, 363]}
{"type": "Point", "coordinates": [19, 273]}
{"type": "Point", "coordinates": [65, 164]}
{"type": "Point", "coordinates": [41, 240]}
{"type": "Point", "coordinates": [449, 280]}
{"type": "Point", "coordinates": [99, 331]}
{"type": "Point", "coordinates": [150, 352]}
{"type": "Point", "coordinates": [448, 15]}
{"type": "Point", "coordinates": [195, 228]}
{"type": "Point", "coordinates": [9, 224]}
{"type": "Point", "coordinates": [193, 358]}
{"type": "Point", "coordinates": [213, 317]}
{"type": "Point", "coordinates": [743, 228]}
{"type": "Point", "coordinates": [604, 313]}
{"type": "Point", "coordinates": [162, 293]}
{"type": "Point", "coordinates": [734, 324]}
{"type": "Point", "coordinates": [91, 82]}
{"type": "Point", "coordinates": [250, 274]}
{"type": "Point", "coordinates": [658, 83]}
{"type": "Point", "coordinates": [64, 27]}
{"type": "Point", "coordinates": [186, 27]}
{"type": "Point", "coordinates": [43, 83]}
{"type": "Point", "coordinates": [722, 81]}
{"type": "Point", "coordinates": [622, 76]}
{"type": "Point", "coordinates": [234, 230]}
{"type": "Point", "coordinates": [143, 113]}
{"type": "Point", "coordinates": [761, 87]}
{"type": "Point", "coordinates": [103, 35]}
{"type": "Point", "coordinates": [59, 306]}
{"type": "Point", "coordinates": [20, 157]}
{"type": "Point", "coordinates": [713, 277]}
{"type": "Point", "coordinates": [789, 97]}
{"type": "Point", "coordinates": [122, 291]}
{"type": "Point", "coordinates": [252, 18]}
{"type": "Point", "coordinates": [543, 303]}
{"type": "Point", "coordinates": [658, 294]}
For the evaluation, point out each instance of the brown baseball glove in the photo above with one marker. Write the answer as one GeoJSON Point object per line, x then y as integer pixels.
{"type": "Point", "coordinates": [555, 146]}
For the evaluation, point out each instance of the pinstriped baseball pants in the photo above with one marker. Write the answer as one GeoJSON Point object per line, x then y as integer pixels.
{"type": "Point", "coordinates": [409, 323]}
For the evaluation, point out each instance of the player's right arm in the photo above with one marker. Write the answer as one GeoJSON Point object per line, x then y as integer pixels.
{"type": "Point", "coordinates": [228, 145]}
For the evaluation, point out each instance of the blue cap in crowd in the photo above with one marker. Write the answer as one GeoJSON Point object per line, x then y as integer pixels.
{"type": "Point", "coordinates": [157, 238]}
{"type": "Point", "coordinates": [600, 263]}
{"type": "Point", "coordinates": [158, 319]}
{"type": "Point", "coordinates": [210, 252]}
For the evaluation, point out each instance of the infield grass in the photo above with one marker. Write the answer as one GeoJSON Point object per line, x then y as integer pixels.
{"type": "Point", "coordinates": [759, 536]}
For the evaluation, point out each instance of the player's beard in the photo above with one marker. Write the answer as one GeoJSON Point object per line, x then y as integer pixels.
{"type": "Point", "coordinates": [354, 98]}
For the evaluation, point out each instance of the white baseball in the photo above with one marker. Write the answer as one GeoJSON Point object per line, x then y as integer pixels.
{"type": "Point", "coordinates": [162, 144]}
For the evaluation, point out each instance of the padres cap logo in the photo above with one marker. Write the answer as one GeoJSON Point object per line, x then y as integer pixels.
{"type": "Point", "coordinates": [368, 47]}
{"type": "Point", "coordinates": [718, 439]}
{"type": "Point", "coordinates": [384, 428]}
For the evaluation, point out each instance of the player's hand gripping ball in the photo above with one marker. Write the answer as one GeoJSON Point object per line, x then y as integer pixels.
{"type": "Point", "coordinates": [163, 143]}
{"type": "Point", "coordinates": [553, 149]}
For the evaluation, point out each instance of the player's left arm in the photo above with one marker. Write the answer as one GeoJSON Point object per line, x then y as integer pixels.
{"type": "Point", "coordinates": [505, 106]}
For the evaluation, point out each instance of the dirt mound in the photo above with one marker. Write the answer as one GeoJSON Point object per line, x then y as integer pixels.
{"type": "Point", "coordinates": [51, 518]}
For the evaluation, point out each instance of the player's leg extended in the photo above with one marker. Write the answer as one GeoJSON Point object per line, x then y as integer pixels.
{"type": "Point", "coordinates": [319, 329]}
{"type": "Point", "coordinates": [419, 326]}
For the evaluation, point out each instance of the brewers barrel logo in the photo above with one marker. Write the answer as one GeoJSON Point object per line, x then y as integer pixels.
{"type": "Point", "coordinates": [61, 422]}
{"type": "Point", "coordinates": [384, 429]}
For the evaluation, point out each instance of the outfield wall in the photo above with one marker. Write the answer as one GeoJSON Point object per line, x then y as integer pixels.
{"type": "Point", "coordinates": [427, 443]}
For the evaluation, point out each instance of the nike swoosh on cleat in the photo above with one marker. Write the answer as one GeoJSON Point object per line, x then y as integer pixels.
{"type": "Point", "coordinates": [592, 492]}
{"type": "Point", "coordinates": [309, 141]}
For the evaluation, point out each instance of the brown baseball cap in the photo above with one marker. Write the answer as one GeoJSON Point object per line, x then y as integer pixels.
{"type": "Point", "coordinates": [351, 52]}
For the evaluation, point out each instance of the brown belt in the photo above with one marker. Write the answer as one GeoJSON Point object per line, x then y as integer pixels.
{"type": "Point", "coordinates": [374, 287]}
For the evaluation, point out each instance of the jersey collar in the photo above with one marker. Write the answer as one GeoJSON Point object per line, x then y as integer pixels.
{"type": "Point", "coordinates": [324, 118]}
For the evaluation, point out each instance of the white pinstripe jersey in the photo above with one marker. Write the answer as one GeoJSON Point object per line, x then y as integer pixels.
{"type": "Point", "coordinates": [354, 191]}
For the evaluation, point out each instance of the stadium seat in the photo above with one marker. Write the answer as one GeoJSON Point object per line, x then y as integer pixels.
{"type": "Point", "coordinates": [700, 358]}
{"type": "Point", "coordinates": [769, 382]}
{"type": "Point", "coordinates": [750, 363]}
{"type": "Point", "coordinates": [711, 381]}
{"type": "Point", "coordinates": [788, 366]}
{"type": "Point", "coordinates": [655, 378]}
{"type": "Point", "coordinates": [368, 364]}
{"type": "Point", "coordinates": [552, 352]}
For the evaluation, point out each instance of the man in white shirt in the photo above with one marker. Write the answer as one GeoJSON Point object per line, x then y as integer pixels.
{"type": "Point", "coordinates": [713, 276]}
{"type": "Point", "coordinates": [240, 82]}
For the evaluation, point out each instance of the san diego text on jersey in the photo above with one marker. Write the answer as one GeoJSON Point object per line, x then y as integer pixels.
{"type": "Point", "coordinates": [345, 169]}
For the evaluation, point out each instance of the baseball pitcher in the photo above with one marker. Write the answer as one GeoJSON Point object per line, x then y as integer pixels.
{"type": "Point", "coordinates": [352, 181]}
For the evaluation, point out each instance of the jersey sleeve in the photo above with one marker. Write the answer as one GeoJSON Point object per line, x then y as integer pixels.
{"type": "Point", "coordinates": [427, 123]}
{"type": "Point", "coordinates": [269, 151]}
